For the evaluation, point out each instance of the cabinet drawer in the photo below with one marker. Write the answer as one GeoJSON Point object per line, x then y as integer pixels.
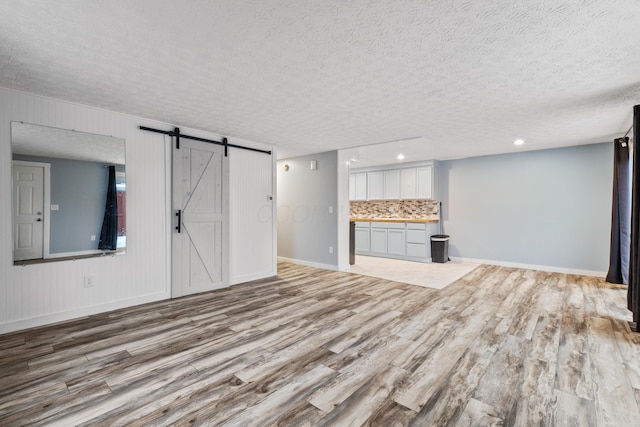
{"type": "Point", "coordinates": [416, 226]}
{"type": "Point", "coordinates": [416, 250]}
{"type": "Point", "coordinates": [361, 224]}
{"type": "Point", "coordinates": [399, 225]}
{"type": "Point", "coordinates": [416, 236]}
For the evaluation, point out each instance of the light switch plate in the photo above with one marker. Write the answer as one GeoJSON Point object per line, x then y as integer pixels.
{"type": "Point", "coordinates": [314, 165]}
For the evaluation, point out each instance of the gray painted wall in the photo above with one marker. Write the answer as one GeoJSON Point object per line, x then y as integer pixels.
{"type": "Point", "coordinates": [549, 207]}
{"type": "Point", "coordinates": [79, 188]}
{"type": "Point", "coordinates": [306, 229]}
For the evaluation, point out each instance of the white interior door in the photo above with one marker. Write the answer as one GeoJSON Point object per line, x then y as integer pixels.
{"type": "Point", "coordinates": [28, 214]}
{"type": "Point", "coordinates": [200, 241]}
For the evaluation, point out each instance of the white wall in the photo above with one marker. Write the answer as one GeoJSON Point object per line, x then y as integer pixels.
{"type": "Point", "coordinates": [43, 293]}
{"type": "Point", "coordinates": [306, 228]}
{"type": "Point", "coordinates": [548, 208]}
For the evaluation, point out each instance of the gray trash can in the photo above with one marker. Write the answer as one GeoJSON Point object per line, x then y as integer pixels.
{"type": "Point", "coordinates": [440, 248]}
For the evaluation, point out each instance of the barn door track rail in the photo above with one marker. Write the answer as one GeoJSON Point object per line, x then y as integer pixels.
{"type": "Point", "coordinates": [177, 135]}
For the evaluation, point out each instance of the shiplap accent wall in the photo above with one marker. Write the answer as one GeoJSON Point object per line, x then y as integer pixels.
{"type": "Point", "coordinates": [43, 293]}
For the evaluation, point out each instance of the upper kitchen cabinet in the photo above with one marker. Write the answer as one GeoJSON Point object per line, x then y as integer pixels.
{"type": "Point", "coordinates": [392, 184]}
{"type": "Point", "coordinates": [375, 185]}
{"type": "Point", "coordinates": [408, 184]}
{"type": "Point", "coordinates": [424, 183]}
{"type": "Point", "coordinates": [411, 181]}
{"type": "Point", "coordinates": [358, 186]}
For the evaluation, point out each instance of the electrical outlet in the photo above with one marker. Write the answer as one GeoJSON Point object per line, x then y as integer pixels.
{"type": "Point", "coordinates": [330, 249]}
{"type": "Point", "coordinates": [330, 209]}
{"type": "Point", "coordinates": [88, 281]}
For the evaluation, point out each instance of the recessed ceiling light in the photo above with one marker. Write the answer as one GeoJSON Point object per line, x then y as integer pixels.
{"type": "Point", "coordinates": [400, 156]}
{"type": "Point", "coordinates": [518, 142]}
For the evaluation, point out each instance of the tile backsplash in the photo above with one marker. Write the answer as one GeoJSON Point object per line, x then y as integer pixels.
{"type": "Point", "coordinates": [411, 209]}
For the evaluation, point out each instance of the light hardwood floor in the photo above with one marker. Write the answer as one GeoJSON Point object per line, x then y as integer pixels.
{"type": "Point", "coordinates": [500, 346]}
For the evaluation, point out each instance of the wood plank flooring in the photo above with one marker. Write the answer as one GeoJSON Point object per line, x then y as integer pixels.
{"type": "Point", "coordinates": [500, 346]}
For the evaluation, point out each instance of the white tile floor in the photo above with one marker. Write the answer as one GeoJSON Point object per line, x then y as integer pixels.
{"type": "Point", "coordinates": [431, 275]}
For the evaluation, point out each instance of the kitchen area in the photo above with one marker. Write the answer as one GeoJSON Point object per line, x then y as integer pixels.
{"type": "Point", "coordinates": [394, 212]}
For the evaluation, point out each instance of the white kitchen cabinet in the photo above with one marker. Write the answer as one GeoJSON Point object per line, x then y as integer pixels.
{"type": "Point", "coordinates": [417, 250]}
{"type": "Point", "coordinates": [416, 240]}
{"type": "Point", "coordinates": [396, 242]}
{"type": "Point", "coordinates": [408, 183]}
{"type": "Point", "coordinates": [416, 236]}
{"type": "Point", "coordinates": [363, 243]}
{"type": "Point", "coordinates": [358, 186]}
{"type": "Point", "coordinates": [392, 184]}
{"type": "Point", "coordinates": [352, 186]}
{"type": "Point", "coordinates": [400, 240]}
{"type": "Point", "coordinates": [375, 185]}
{"type": "Point", "coordinates": [424, 182]}
{"type": "Point", "coordinates": [379, 240]}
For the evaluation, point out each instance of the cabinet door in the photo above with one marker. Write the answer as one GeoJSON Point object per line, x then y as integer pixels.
{"type": "Point", "coordinates": [359, 186]}
{"type": "Point", "coordinates": [424, 182]}
{"type": "Point", "coordinates": [375, 182]}
{"type": "Point", "coordinates": [352, 186]}
{"type": "Point", "coordinates": [379, 240]}
{"type": "Point", "coordinates": [395, 242]}
{"type": "Point", "coordinates": [362, 239]}
{"type": "Point", "coordinates": [392, 184]}
{"type": "Point", "coordinates": [408, 183]}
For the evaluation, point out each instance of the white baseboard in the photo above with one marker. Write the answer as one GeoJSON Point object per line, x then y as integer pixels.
{"type": "Point", "coordinates": [309, 263]}
{"type": "Point", "coordinates": [548, 268]}
{"type": "Point", "coordinates": [48, 319]}
{"type": "Point", "coordinates": [250, 277]}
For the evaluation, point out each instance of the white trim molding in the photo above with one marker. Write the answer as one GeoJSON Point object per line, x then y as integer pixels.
{"type": "Point", "coordinates": [48, 319]}
{"type": "Point", "coordinates": [548, 268]}
{"type": "Point", "coordinates": [309, 263]}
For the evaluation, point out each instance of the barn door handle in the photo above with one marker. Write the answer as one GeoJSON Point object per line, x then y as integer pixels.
{"type": "Point", "coordinates": [179, 215]}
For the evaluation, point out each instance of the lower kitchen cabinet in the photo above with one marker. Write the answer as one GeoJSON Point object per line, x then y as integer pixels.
{"type": "Point", "coordinates": [416, 250]}
{"type": "Point", "coordinates": [396, 242]}
{"type": "Point", "coordinates": [410, 240]}
{"type": "Point", "coordinates": [416, 240]}
{"type": "Point", "coordinates": [379, 240]}
{"type": "Point", "coordinates": [363, 243]}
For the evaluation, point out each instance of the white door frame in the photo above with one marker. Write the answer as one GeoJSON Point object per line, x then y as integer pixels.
{"type": "Point", "coordinates": [46, 206]}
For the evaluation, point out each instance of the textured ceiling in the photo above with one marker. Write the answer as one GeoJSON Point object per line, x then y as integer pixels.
{"type": "Point", "coordinates": [465, 76]}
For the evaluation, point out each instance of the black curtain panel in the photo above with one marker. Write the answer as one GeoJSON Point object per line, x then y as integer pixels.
{"type": "Point", "coordinates": [633, 291]}
{"type": "Point", "coordinates": [620, 214]}
{"type": "Point", "coordinates": [109, 233]}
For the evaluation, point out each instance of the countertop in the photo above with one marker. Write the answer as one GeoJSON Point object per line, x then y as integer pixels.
{"type": "Point", "coordinates": [394, 219]}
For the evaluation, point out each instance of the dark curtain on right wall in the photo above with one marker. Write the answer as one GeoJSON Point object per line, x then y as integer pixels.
{"type": "Point", "coordinates": [633, 292]}
{"type": "Point", "coordinates": [620, 214]}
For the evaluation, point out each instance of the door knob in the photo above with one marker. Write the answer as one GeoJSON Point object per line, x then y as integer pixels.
{"type": "Point", "coordinates": [39, 219]}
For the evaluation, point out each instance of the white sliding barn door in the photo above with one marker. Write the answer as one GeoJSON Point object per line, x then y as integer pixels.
{"type": "Point", "coordinates": [28, 206]}
{"type": "Point", "coordinates": [200, 194]}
